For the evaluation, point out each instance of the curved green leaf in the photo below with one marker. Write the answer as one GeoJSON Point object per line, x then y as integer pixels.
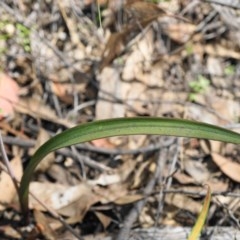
{"type": "Point", "coordinates": [119, 127]}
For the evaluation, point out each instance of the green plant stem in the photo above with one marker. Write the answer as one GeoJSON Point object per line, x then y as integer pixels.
{"type": "Point", "coordinates": [119, 127]}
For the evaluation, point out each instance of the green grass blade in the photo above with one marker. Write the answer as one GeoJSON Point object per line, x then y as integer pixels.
{"type": "Point", "coordinates": [201, 218]}
{"type": "Point", "coordinates": [119, 127]}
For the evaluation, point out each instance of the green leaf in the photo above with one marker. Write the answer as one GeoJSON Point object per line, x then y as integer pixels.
{"type": "Point", "coordinates": [119, 127]}
{"type": "Point", "coordinates": [201, 218]}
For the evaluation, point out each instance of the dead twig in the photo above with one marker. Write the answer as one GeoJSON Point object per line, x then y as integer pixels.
{"type": "Point", "coordinates": [136, 210]}
{"type": "Point", "coordinates": [227, 3]}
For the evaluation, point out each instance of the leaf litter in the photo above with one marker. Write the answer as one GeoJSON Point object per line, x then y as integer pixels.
{"type": "Point", "coordinates": [143, 62]}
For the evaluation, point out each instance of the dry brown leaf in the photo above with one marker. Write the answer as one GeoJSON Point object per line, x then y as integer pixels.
{"type": "Point", "coordinates": [217, 185]}
{"type": "Point", "coordinates": [133, 64]}
{"type": "Point", "coordinates": [76, 210]}
{"type": "Point", "coordinates": [111, 193]}
{"type": "Point", "coordinates": [231, 169]}
{"type": "Point", "coordinates": [180, 32]}
{"type": "Point", "coordinates": [146, 219]}
{"type": "Point", "coordinates": [9, 91]}
{"type": "Point", "coordinates": [143, 12]}
{"type": "Point", "coordinates": [10, 233]}
{"type": "Point", "coordinates": [170, 102]}
{"type": "Point", "coordinates": [137, 90]}
{"type": "Point", "coordinates": [44, 226]}
{"type": "Point", "coordinates": [114, 47]}
{"type": "Point", "coordinates": [60, 173]}
{"type": "Point", "coordinates": [227, 109]}
{"type": "Point", "coordinates": [183, 202]}
{"type": "Point", "coordinates": [105, 220]}
{"type": "Point", "coordinates": [140, 14]}
{"type": "Point", "coordinates": [216, 50]}
{"type": "Point", "coordinates": [108, 179]}
{"type": "Point", "coordinates": [95, 236]}
{"type": "Point", "coordinates": [214, 66]}
{"type": "Point", "coordinates": [63, 91]}
{"type": "Point", "coordinates": [138, 64]}
{"type": "Point", "coordinates": [36, 108]}
{"type": "Point", "coordinates": [205, 146]}
{"type": "Point", "coordinates": [183, 178]}
{"type": "Point", "coordinates": [58, 196]}
{"type": "Point", "coordinates": [215, 146]}
{"type": "Point", "coordinates": [119, 176]}
{"type": "Point", "coordinates": [128, 199]}
{"type": "Point", "coordinates": [6, 184]}
{"type": "Point", "coordinates": [197, 170]}
{"type": "Point", "coordinates": [153, 79]}
{"type": "Point", "coordinates": [111, 83]}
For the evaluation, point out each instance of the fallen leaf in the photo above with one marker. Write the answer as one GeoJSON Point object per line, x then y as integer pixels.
{"type": "Point", "coordinates": [111, 83]}
{"type": "Point", "coordinates": [217, 185]}
{"type": "Point", "coordinates": [57, 196]}
{"type": "Point", "coordinates": [9, 91]}
{"type": "Point", "coordinates": [6, 184]}
{"type": "Point", "coordinates": [119, 176]}
{"type": "Point", "coordinates": [36, 108]}
{"type": "Point", "coordinates": [105, 220]}
{"type": "Point", "coordinates": [180, 32]}
{"type": "Point", "coordinates": [9, 232]}
{"type": "Point", "coordinates": [128, 199]}
{"type": "Point", "coordinates": [196, 170]}
{"type": "Point", "coordinates": [44, 226]}
{"type": "Point", "coordinates": [114, 47]}
{"type": "Point", "coordinates": [216, 50]}
{"type": "Point", "coordinates": [76, 210]}
{"type": "Point", "coordinates": [231, 169]}
{"type": "Point", "coordinates": [215, 146]}
{"type": "Point", "coordinates": [143, 12]}
{"type": "Point", "coordinates": [111, 193]}
{"type": "Point", "coordinates": [183, 178]}
{"type": "Point", "coordinates": [183, 202]}
{"type": "Point", "coordinates": [65, 90]}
